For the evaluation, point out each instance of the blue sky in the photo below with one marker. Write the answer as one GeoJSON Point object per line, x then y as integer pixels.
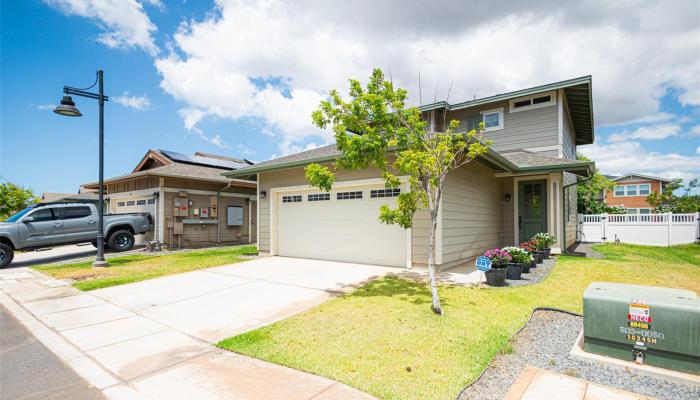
{"type": "Point", "coordinates": [241, 78]}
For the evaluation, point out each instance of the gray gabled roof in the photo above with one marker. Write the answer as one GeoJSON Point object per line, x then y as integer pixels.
{"type": "Point", "coordinates": [518, 162]}
{"type": "Point", "coordinates": [653, 178]}
{"type": "Point", "coordinates": [181, 170]}
{"type": "Point", "coordinates": [578, 93]}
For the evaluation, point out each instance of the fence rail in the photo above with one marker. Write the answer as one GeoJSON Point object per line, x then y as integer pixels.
{"type": "Point", "coordinates": [648, 229]}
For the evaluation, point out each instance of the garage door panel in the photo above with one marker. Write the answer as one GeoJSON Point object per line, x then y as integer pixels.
{"type": "Point", "coordinates": [339, 230]}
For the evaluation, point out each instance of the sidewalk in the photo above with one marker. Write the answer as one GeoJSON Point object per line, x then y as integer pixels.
{"type": "Point", "coordinates": [129, 356]}
{"type": "Point", "coordinates": [538, 384]}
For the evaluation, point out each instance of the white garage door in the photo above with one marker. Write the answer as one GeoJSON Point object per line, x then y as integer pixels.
{"type": "Point", "coordinates": [136, 205]}
{"type": "Point", "coordinates": [342, 225]}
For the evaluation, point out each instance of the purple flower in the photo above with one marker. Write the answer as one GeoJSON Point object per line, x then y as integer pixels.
{"type": "Point", "coordinates": [498, 257]}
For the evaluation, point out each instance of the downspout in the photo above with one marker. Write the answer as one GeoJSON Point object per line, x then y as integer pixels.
{"type": "Point", "coordinates": [564, 208]}
{"type": "Point", "coordinates": [218, 212]}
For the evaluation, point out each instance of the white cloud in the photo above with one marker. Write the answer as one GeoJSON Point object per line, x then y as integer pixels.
{"type": "Point", "coordinates": [650, 132]}
{"type": "Point", "coordinates": [139, 103]}
{"type": "Point", "coordinates": [695, 131]}
{"type": "Point", "coordinates": [697, 150]}
{"type": "Point", "coordinates": [625, 157]}
{"type": "Point", "coordinates": [123, 22]}
{"type": "Point", "coordinates": [191, 118]}
{"type": "Point", "coordinates": [310, 47]}
{"type": "Point", "coordinates": [44, 107]}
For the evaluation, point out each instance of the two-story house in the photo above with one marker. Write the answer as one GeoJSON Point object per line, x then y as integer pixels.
{"type": "Point", "coordinates": [525, 184]}
{"type": "Point", "coordinates": [631, 190]}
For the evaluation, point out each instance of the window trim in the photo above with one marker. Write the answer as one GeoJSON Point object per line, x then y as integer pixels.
{"type": "Point", "coordinates": [625, 190]}
{"type": "Point", "coordinates": [498, 111]}
{"type": "Point", "coordinates": [532, 106]}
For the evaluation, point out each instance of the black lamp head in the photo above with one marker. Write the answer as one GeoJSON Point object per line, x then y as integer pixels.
{"type": "Point", "coordinates": [67, 108]}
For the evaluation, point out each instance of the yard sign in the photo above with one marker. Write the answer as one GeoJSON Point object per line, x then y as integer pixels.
{"type": "Point", "coordinates": [483, 263]}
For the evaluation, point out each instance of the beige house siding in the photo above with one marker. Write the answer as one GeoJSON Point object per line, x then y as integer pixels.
{"type": "Point", "coordinates": [131, 185]}
{"type": "Point", "coordinates": [508, 209]}
{"type": "Point", "coordinates": [201, 235]}
{"type": "Point", "coordinates": [295, 177]}
{"type": "Point", "coordinates": [528, 129]}
{"type": "Point", "coordinates": [570, 208]}
{"type": "Point", "coordinates": [472, 216]}
{"type": "Point", "coordinates": [569, 145]}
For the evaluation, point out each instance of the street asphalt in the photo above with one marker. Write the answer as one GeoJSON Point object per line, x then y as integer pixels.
{"type": "Point", "coordinates": [28, 370]}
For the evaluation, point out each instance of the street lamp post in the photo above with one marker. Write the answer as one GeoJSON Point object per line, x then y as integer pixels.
{"type": "Point", "coordinates": [67, 108]}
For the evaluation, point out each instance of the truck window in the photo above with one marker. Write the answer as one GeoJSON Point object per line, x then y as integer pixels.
{"type": "Point", "coordinates": [76, 212]}
{"type": "Point", "coordinates": [44, 214]}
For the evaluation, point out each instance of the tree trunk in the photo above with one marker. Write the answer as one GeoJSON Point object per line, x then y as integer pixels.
{"type": "Point", "coordinates": [431, 262]}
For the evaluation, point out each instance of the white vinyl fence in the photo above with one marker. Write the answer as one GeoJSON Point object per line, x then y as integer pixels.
{"type": "Point", "coordinates": [647, 229]}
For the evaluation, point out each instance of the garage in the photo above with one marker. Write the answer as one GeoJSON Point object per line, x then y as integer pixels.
{"type": "Point", "coordinates": [135, 204]}
{"type": "Point", "coordinates": [342, 225]}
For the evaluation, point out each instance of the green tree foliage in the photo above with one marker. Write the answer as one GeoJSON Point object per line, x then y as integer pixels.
{"type": "Point", "coordinates": [13, 198]}
{"type": "Point", "coordinates": [668, 201]}
{"type": "Point", "coordinates": [374, 128]}
{"type": "Point", "coordinates": [590, 198]}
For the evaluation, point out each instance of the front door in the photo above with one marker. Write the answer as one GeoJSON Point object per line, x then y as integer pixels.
{"type": "Point", "coordinates": [532, 208]}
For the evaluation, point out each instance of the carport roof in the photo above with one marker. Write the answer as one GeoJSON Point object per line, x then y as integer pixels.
{"type": "Point", "coordinates": [179, 170]}
{"type": "Point", "coordinates": [516, 162]}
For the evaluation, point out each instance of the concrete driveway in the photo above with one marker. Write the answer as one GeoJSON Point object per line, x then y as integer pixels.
{"type": "Point", "coordinates": [215, 303]}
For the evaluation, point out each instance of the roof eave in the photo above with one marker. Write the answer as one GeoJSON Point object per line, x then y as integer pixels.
{"type": "Point", "coordinates": [507, 96]}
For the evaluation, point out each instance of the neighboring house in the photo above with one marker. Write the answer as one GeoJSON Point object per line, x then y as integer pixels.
{"type": "Point", "coordinates": [631, 190]}
{"type": "Point", "coordinates": [192, 204]}
{"type": "Point", "coordinates": [525, 184]}
{"type": "Point", "coordinates": [85, 197]}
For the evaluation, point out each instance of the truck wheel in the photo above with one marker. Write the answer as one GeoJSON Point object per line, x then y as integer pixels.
{"type": "Point", "coordinates": [121, 241]}
{"type": "Point", "coordinates": [6, 254]}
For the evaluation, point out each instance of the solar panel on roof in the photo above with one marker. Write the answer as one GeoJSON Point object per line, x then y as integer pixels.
{"type": "Point", "coordinates": [204, 161]}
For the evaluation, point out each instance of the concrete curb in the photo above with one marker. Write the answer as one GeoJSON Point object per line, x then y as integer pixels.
{"type": "Point", "coordinates": [682, 378]}
{"type": "Point", "coordinates": [111, 386]}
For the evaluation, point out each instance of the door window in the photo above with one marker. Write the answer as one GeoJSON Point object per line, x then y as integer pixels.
{"type": "Point", "coordinates": [76, 212]}
{"type": "Point", "coordinates": [533, 200]}
{"type": "Point", "coordinates": [45, 214]}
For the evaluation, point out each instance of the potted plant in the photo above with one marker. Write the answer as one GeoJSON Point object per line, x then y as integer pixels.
{"type": "Point", "coordinates": [496, 276]}
{"type": "Point", "coordinates": [531, 250]}
{"type": "Point", "coordinates": [538, 246]}
{"type": "Point", "coordinates": [545, 241]}
{"type": "Point", "coordinates": [519, 261]}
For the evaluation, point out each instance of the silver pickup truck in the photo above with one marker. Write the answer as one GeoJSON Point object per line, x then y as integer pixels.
{"type": "Point", "coordinates": [49, 225]}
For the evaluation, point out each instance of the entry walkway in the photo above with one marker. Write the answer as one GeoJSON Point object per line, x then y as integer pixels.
{"type": "Point", "coordinates": [538, 384]}
{"type": "Point", "coordinates": [110, 338]}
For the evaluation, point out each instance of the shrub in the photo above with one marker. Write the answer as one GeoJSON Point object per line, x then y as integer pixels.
{"type": "Point", "coordinates": [543, 240]}
{"type": "Point", "coordinates": [518, 255]}
{"type": "Point", "coordinates": [498, 257]}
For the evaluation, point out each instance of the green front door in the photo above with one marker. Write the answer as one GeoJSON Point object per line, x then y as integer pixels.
{"type": "Point", "coordinates": [532, 208]}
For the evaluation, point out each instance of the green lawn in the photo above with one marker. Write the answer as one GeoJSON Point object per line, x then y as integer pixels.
{"type": "Point", "coordinates": [139, 267]}
{"type": "Point", "coordinates": [383, 338]}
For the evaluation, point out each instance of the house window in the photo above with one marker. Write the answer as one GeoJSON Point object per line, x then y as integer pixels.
{"type": "Point", "coordinates": [632, 211]}
{"type": "Point", "coordinates": [619, 191]}
{"type": "Point", "coordinates": [631, 190]}
{"type": "Point", "coordinates": [319, 197]}
{"type": "Point", "coordinates": [644, 189]}
{"type": "Point", "coordinates": [291, 199]}
{"type": "Point", "coordinates": [384, 193]}
{"type": "Point", "coordinates": [645, 210]}
{"type": "Point", "coordinates": [536, 101]}
{"type": "Point", "coordinates": [151, 201]}
{"type": "Point", "coordinates": [492, 119]}
{"type": "Point", "coordinates": [140, 202]}
{"type": "Point", "coordinates": [130, 203]}
{"type": "Point", "coordinates": [120, 204]}
{"type": "Point", "coordinates": [349, 195]}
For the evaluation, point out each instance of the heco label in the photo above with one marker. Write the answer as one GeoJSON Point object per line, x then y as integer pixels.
{"type": "Point", "coordinates": [639, 312]}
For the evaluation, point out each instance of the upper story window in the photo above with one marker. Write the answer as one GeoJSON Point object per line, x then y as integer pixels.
{"type": "Point", "coordinates": [535, 101]}
{"type": "Point", "coordinates": [492, 119]}
{"type": "Point", "coordinates": [642, 189]}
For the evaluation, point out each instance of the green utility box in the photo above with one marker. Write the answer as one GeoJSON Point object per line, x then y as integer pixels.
{"type": "Point", "coordinates": [647, 324]}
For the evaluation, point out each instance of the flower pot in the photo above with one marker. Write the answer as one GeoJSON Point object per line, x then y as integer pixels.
{"type": "Point", "coordinates": [540, 257]}
{"type": "Point", "coordinates": [533, 264]}
{"type": "Point", "coordinates": [546, 251]}
{"type": "Point", "coordinates": [496, 276]}
{"type": "Point", "coordinates": [514, 271]}
{"type": "Point", "coordinates": [526, 267]}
